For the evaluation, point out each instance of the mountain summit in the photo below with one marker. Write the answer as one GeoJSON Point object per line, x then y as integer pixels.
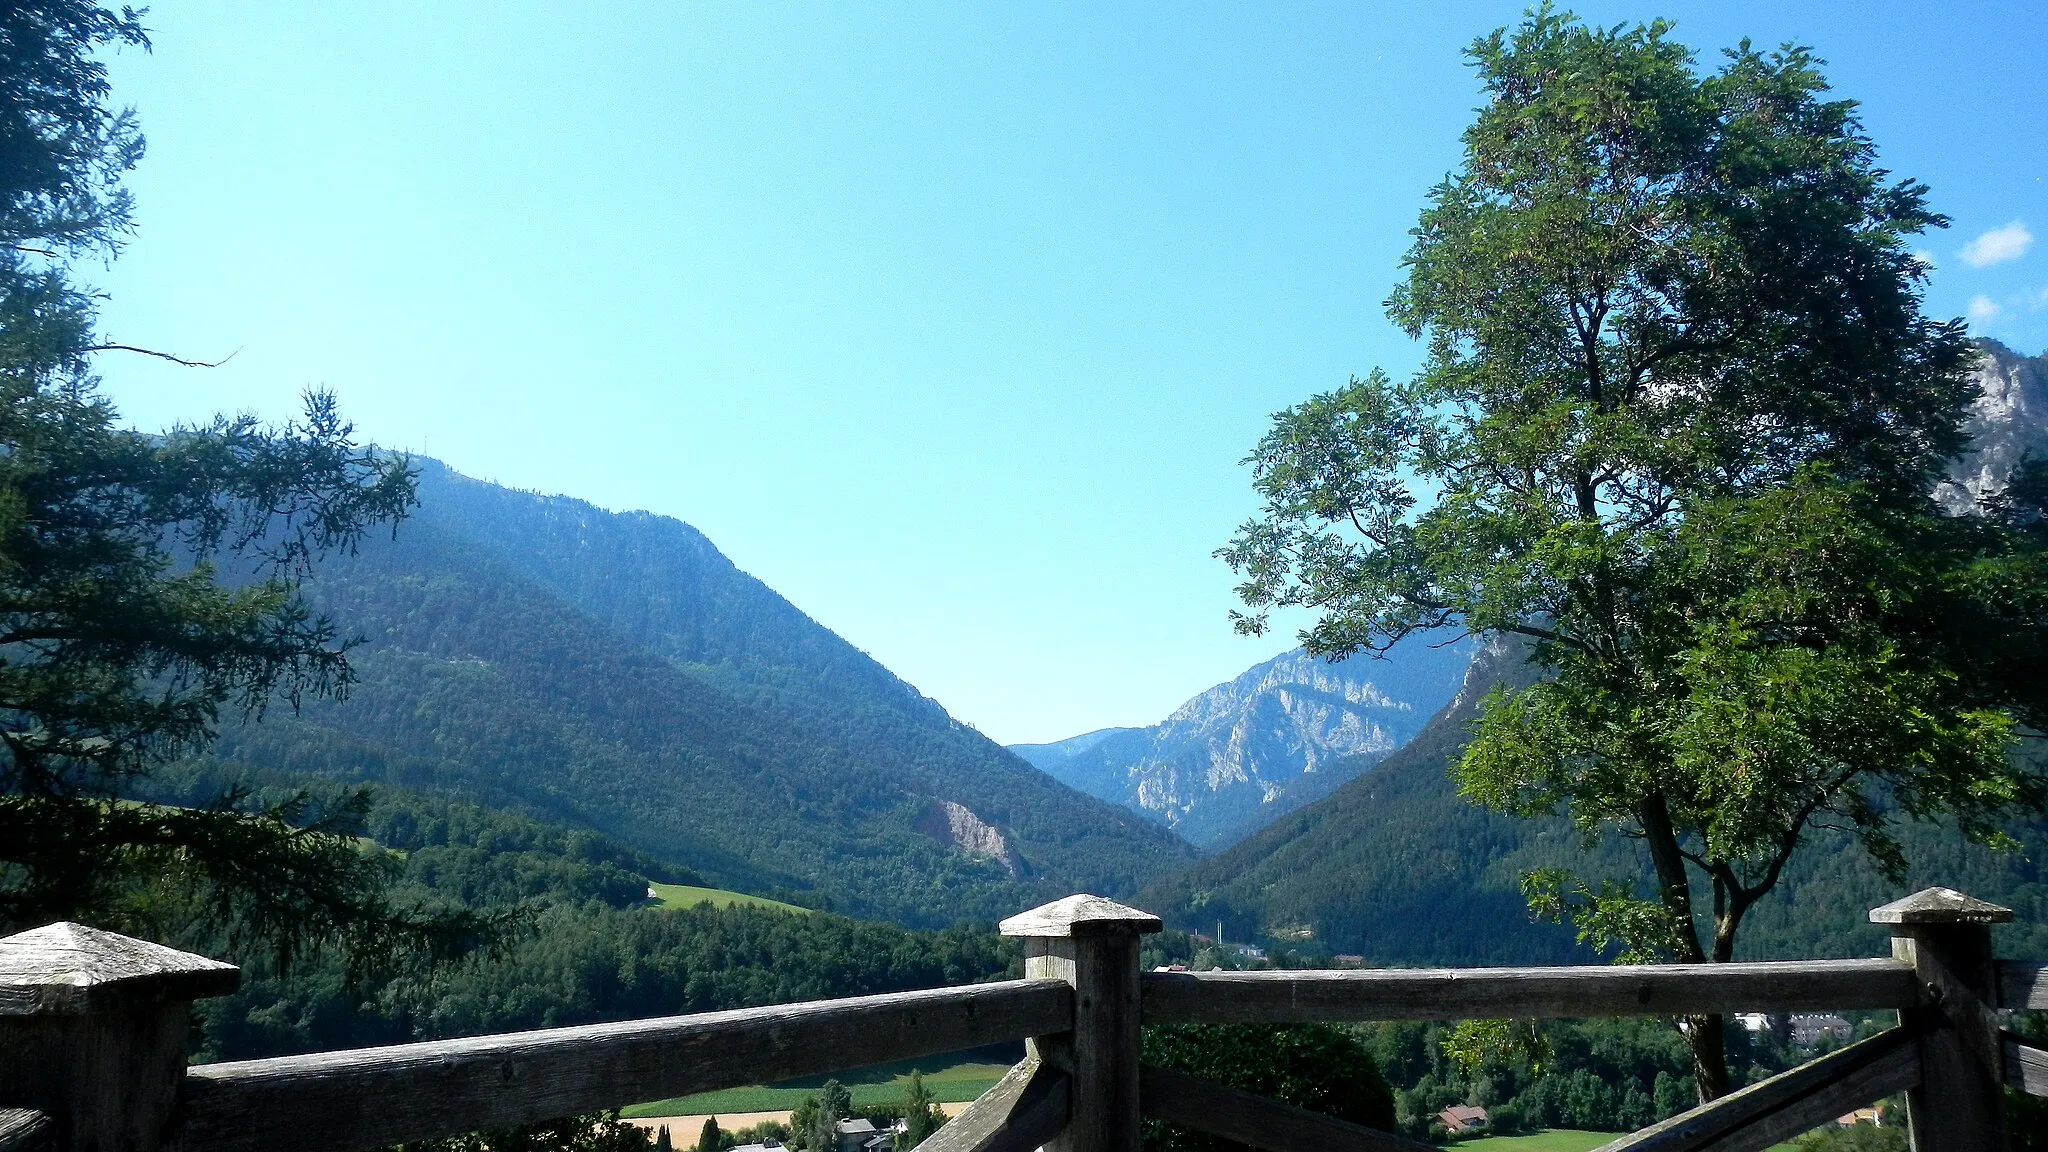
{"type": "Point", "coordinates": [1245, 752]}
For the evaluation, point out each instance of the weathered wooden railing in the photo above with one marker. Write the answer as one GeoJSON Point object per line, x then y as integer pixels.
{"type": "Point", "coordinates": [93, 1029]}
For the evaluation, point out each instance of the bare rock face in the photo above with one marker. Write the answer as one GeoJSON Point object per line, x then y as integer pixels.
{"type": "Point", "coordinates": [2008, 421]}
{"type": "Point", "coordinates": [957, 826]}
{"type": "Point", "coordinates": [1285, 732]}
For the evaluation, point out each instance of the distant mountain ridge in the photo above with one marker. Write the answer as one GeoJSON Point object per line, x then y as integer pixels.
{"type": "Point", "coordinates": [1243, 753]}
{"type": "Point", "coordinates": [615, 671]}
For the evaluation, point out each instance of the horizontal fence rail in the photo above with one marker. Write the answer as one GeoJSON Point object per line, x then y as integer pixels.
{"type": "Point", "coordinates": [93, 1029]}
{"type": "Point", "coordinates": [1297, 997]}
{"type": "Point", "coordinates": [369, 1097]}
{"type": "Point", "coordinates": [2022, 987]}
{"type": "Point", "coordinates": [2026, 1067]}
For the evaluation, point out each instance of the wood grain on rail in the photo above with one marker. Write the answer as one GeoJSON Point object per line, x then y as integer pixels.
{"type": "Point", "coordinates": [371, 1097]}
{"type": "Point", "coordinates": [1026, 1109]}
{"type": "Point", "coordinates": [2026, 1067]}
{"type": "Point", "coordinates": [1526, 993]}
{"type": "Point", "coordinates": [26, 1130]}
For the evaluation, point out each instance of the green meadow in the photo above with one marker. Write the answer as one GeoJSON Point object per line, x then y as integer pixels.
{"type": "Point", "coordinates": [689, 896]}
{"type": "Point", "coordinates": [886, 1084]}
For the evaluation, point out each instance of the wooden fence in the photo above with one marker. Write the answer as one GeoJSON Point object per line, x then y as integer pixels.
{"type": "Point", "coordinates": [93, 1030]}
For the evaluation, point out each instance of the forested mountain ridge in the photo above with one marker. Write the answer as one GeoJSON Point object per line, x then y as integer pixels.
{"type": "Point", "coordinates": [582, 943]}
{"type": "Point", "coordinates": [615, 671]}
{"type": "Point", "coordinates": [1245, 752]}
{"type": "Point", "coordinates": [1399, 868]}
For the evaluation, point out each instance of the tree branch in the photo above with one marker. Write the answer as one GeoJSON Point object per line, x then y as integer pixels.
{"type": "Point", "coordinates": [162, 355]}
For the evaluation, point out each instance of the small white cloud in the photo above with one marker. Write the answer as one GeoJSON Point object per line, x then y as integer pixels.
{"type": "Point", "coordinates": [1924, 258]}
{"type": "Point", "coordinates": [1982, 308]}
{"type": "Point", "coordinates": [1998, 245]}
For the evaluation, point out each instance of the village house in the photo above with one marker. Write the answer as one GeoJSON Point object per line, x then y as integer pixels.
{"type": "Point", "coordinates": [1807, 1029]}
{"type": "Point", "coordinates": [1462, 1119]}
{"type": "Point", "coordinates": [861, 1135]}
{"type": "Point", "coordinates": [855, 1134]}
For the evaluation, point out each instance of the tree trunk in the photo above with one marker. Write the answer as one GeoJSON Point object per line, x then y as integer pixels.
{"type": "Point", "coordinates": [1706, 1034]}
{"type": "Point", "coordinates": [1708, 1037]}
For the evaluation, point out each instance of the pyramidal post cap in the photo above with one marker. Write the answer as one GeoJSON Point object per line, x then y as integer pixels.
{"type": "Point", "coordinates": [1940, 906]}
{"type": "Point", "coordinates": [71, 969]}
{"type": "Point", "coordinates": [1080, 915]}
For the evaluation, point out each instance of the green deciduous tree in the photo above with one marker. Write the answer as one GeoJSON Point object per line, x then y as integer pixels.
{"type": "Point", "coordinates": [814, 1123]}
{"type": "Point", "coordinates": [921, 1115]}
{"type": "Point", "coordinates": [149, 583]}
{"type": "Point", "coordinates": [1677, 432]}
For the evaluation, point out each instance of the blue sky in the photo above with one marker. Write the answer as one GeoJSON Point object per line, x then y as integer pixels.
{"type": "Point", "coordinates": [949, 321]}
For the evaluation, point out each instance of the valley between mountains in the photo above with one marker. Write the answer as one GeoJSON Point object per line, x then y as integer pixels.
{"type": "Point", "coordinates": [615, 673]}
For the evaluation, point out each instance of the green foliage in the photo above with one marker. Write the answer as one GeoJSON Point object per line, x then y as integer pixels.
{"type": "Point", "coordinates": [1679, 426]}
{"type": "Point", "coordinates": [1321, 1067]}
{"type": "Point", "coordinates": [1855, 1138]}
{"type": "Point", "coordinates": [921, 1115]}
{"type": "Point", "coordinates": [814, 1124]}
{"type": "Point", "coordinates": [708, 1139]}
{"type": "Point", "coordinates": [66, 148]}
{"type": "Point", "coordinates": [1600, 1075]}
{"type": "Point", "coordinates": [1471, 1045]}
{"type": "Point", "coordinates": [591, 1132]}
{"type": "Point", "coordinates": [760, 1133]}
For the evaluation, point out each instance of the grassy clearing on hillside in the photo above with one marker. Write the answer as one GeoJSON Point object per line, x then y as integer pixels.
{"type": "Point", "coordinates": [952, 1085]}
{"type": "Point", "coordinates": [688, 896]}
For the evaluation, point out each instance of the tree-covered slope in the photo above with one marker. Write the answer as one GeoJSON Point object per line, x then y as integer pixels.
{"type": "Point", "coordinates": [577, 940]}
{"type": "Point", "coordinates": [617, 672]}
{"type": "Point", "coordinates": [1397, 867]}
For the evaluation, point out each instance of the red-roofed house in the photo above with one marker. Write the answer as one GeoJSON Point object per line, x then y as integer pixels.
{"type": "Point", "coordinates": [1459, 1119]}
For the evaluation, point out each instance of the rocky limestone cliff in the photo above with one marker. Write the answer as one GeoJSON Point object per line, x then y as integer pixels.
{"type": "Point", "coordinates": [956, 826]}
{"type": "Point", "coordinates": [1234, 758]}
{"type": "Point", "coordinates": [2008, 421]}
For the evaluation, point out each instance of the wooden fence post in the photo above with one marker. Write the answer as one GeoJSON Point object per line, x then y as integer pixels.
{"type": "Point", "coordinates": [1092, 944]}
{"type": "Point", "coordinates": [93, 1028]}
{"type": "Point", "coordinates": [1946, 937]}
